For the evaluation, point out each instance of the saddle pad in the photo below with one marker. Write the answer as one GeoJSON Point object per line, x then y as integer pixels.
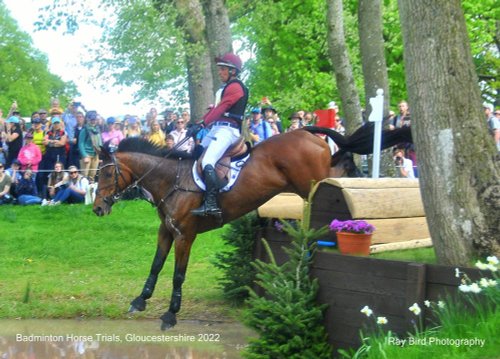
{"type": "Point", "coordinates": [234, 172]}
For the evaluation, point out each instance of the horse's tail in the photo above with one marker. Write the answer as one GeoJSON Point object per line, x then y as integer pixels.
{"type": "Point", "coordinates": [361, 141]}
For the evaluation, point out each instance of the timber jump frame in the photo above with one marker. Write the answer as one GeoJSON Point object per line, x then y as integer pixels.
{"type": "Point", "coordinates": [388, 287]}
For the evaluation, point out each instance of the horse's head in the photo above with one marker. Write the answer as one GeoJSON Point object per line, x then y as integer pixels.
{"type": "Point", "coordinates": [111, 183]}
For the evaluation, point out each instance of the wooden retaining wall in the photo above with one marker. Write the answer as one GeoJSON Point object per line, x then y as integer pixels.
{"type": "Point", "coordinates": [389, 288]}
{"type": "Point", "coordinates": [392, 205]}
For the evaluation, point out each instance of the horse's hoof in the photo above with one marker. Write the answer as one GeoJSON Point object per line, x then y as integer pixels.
{"type": "Point", "coordinates": [137, 305]}
{"type": "Point", "coordinates": [168, 321]}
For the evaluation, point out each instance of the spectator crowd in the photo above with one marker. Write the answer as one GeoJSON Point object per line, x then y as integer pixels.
{"type": "Point", "coordinates": [54, 158]}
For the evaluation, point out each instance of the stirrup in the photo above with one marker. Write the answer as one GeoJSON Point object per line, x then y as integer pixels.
{"type": "Point", "coordinates": [204, 211]}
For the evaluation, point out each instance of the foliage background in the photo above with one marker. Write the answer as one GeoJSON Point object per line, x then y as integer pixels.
{"type": "Point", "coordinates": [286, 40]}
{"type": "Point", "coordinates": [25, 76]}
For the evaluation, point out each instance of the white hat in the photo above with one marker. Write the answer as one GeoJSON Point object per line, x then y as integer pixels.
{"type": "Point", "coordinates": [488, 105]}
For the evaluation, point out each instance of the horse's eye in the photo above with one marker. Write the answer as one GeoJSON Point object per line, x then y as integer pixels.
{"type": "Point", "coordinates": [108, 175]}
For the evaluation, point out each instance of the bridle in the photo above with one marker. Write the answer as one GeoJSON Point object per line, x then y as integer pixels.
{"type": "Point", "coordinates": [118, 193]}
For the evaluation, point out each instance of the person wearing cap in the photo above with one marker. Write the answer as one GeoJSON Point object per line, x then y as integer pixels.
{"type": "Point", "coordinates": [224, 123]}
{"type": "Point", "coordinates": [35, 115]}
{"type": "Point", "coordinates": [133, 128]}
{"type": "Point", "coordinates": [113, 133]}
{"type": "Point", "coordinates": [43, 118]}
{"type": "Point", "coordinates": [271, 116]}
{"type": "Point", "coordinates": [55, 144]}
{"type": "Point", "coordinates": [89, 141]}
{"type": "Point", "coordinates": [14, 172]}
{"type": "Point", "coordinates": [294, 122]}
{"type": "Point", "coordinates": [14, 138]}
{"type": "Point", "coordinates": [74, 190]}
{"type": "Point", "coordinates": [259, 130]}
{"type": "Point", "coordinates": [30, 155]}
{"type": "Point", "coordinates": [70, 121]}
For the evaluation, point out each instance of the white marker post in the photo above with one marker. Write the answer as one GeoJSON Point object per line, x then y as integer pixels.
{"type": "Point", "coordinates": [377, 104]}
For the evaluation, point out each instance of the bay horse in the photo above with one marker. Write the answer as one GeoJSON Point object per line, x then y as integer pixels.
{"type": "Point", "coordinates": [287, 162]}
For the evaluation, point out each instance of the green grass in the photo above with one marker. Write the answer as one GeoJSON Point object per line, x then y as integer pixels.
{"type": "Point", "coordinates": [420, 255]}
{"type": "Point", "coordinates": [65, 262]}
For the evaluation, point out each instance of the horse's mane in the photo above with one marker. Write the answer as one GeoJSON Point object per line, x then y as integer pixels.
{"type": "Point", "coordinates": [141, 145]}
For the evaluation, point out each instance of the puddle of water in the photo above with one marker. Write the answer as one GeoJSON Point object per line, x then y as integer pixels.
{"type": "Point", "coordinates": [120, 339]}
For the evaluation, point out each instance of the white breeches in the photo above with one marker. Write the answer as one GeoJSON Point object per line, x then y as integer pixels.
{"type": "Point", "coordinates": [217, 141]}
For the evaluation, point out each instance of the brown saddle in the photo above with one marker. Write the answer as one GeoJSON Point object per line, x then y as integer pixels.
{"type": "Point", "coordinates": [223, 166]}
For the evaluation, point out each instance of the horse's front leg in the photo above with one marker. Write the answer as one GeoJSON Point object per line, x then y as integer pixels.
{"type": "Point", "coordinates": [182, 249]}
{"type": "Point", "coordinates": [165, 240]}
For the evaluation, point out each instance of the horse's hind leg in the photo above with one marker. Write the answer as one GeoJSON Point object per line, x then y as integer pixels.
{"type": "Point", "coordinates": [182, 250]}
{"type": "Point", "coordinates": [164, 244]}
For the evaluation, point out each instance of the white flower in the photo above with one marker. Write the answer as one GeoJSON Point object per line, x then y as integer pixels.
{"type": "Point", "coordinates": [485, 282]}
{"type": "Point", "coordinates": [366, 311]}
{"type": "Point", "coordinates": [381, 320]}
{"type": "Point", "coordinates": [474, 288]}
{"type": "Point", "coordinates": [481, 265]}
{"type": "Point", "coordinates": [492, 267]}
{"type": "Point", "coordinates": [457, 273]}
{"type": "Point", "coordinates": [441, 304]}
{"type": "Point", "coordinates": [464, 288]}
{"type": "Point", "coordinates": [493, 260]}
{"type": "Point", "coordinates": [427, 303]}
{"type": "Point", "coordinates": [415, 309]}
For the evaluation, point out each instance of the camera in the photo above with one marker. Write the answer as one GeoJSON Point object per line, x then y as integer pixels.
{"type": "Point", "coordinates": [398, 160]}
{"type": "Point", "coordinates": [77, 104]}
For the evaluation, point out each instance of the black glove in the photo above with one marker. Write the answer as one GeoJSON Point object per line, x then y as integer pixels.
{"type": "Point", "coordinates": [193, 130]}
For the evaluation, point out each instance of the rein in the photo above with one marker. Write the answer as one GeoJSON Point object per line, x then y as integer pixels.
{"type": "Point", "coordinates": [111, 199]}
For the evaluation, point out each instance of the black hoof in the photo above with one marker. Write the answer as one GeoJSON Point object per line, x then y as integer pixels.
{"type": "Point", "coordinates": [137, 305]}
{"type": "Point", "coordinates": [168, 320]}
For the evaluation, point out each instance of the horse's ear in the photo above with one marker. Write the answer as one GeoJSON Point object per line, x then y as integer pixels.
{"type": "Point", "coordinates": [103, 152]}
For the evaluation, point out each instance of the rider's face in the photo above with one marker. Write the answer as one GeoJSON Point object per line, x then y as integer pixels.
{"type": "Point", "coordinates": [224, 73]}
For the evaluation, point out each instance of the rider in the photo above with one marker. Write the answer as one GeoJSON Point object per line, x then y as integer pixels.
{"type": "Point", "coordinates": [224, 123]}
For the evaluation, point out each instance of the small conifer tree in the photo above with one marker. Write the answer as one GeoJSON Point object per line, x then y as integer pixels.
{"type": "Point", "coordinates": [236, 262]}
{"type": "Point", "coordinates": [287, 318]}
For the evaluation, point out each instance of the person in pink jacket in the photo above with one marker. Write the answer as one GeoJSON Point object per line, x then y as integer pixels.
{"type": "Point", "coordinates": [30, 154]}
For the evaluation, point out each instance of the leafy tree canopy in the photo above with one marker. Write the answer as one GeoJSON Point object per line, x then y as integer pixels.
{"type": "Point", "coordinates": [25, 74]}
{"type": "Point", "coordinates": [144, 44]}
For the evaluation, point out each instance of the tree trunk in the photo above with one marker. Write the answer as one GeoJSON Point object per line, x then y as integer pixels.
{"type": "Point", "coordinates": [200, 80]}
{"type": "Point", "coordinates": [458, 166]}
{"type": "Point", "coordinates": [342, 65]}
{"type": "Point", "coordinates": [218, 33]}
{"type": "Point", "coordinates": [371, 43]}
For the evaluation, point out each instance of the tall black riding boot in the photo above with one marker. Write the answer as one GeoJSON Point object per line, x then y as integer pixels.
{"type": "Point", "coordinates": [209, 207]}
